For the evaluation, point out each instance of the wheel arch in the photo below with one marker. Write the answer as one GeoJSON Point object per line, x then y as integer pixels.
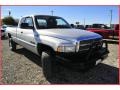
{"type": "Point", "coordinates": [42, 47]}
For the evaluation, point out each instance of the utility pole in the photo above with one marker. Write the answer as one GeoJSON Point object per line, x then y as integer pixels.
{"type": "Point", "coordinates": [111, 22]}
{"type": "Point", "coordinates": [84, 22]}
{"type": "Point", "coordinates": [52, 12]}
{"type": "Point", "coordinates": [9, 12]}
{"type": "Point", "coordinates": [110, 17]}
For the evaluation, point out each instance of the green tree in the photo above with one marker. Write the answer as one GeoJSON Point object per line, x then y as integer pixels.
{"type": "Point", "coordinates": [9, 20]}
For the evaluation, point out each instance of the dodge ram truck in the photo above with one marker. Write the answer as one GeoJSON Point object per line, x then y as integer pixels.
{"type": "Point", "coordinates": [53, 39]}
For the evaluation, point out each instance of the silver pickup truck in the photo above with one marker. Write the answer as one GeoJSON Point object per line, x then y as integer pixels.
{"type": "Point", "coordinates": [53, 39]}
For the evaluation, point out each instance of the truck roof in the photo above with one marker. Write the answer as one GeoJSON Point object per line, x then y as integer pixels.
{"type": "Point", "coordinates": [39, 15]}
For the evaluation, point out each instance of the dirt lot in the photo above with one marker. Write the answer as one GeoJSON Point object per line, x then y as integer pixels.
{"type": "Point", "coordinates": [24, 67]}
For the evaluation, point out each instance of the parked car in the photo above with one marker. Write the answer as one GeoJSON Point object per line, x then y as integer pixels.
{"type": "Point", "coordinates": [3, 31]}
{"type": "Point", "coordinates": [53, 39]}
{"type": "Point", "coordinates": [104, 30]}
{"type": "Point", "coordinates": [80, 27]}
{"type": "Point", "coordinates": [114, 31]}
{"type": "Point", "coordinates": [88, 26]}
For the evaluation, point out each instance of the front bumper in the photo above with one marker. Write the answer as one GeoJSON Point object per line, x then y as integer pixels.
{"type": "Point", "coordinates": [84, 60]}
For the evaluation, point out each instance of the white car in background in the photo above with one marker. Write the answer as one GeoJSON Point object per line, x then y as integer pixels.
{"type": "Point", "coordinates": [3, 31]}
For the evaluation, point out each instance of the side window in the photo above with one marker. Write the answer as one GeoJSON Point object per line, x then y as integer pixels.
{"type": "Point", "coordinates": [29, 21]}
{"type": "Point", "coordinates": [26, 23]}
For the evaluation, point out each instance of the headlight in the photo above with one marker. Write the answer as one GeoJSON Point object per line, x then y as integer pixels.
{"type": "Point", "coordinates": [66, 49]}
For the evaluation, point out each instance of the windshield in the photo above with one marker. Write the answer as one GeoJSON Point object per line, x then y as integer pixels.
{"type": "Point", "coordinates": [48, 22]}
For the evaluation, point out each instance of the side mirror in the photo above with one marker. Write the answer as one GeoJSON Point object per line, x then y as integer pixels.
{"type": "Point", "coordinates": [26, 26]}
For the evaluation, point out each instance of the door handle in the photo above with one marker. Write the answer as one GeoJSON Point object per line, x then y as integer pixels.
{"type": "Point", "coordinates": [21, 32]}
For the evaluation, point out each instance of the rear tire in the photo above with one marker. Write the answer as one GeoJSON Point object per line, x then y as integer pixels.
{"type": "Point", "coordinates": [47, 61]}
{"type": "Point", "coordinates": [12, 44]}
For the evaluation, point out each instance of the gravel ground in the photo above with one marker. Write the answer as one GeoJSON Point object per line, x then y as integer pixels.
{"type": "Point", "coordinates": [24, 67]}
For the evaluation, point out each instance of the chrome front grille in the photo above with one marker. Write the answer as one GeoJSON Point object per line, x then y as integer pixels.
{"type": "Point", "coordinates": [85, 44]}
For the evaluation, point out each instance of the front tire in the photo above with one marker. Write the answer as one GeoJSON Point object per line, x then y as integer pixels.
{"type": "Point", "coordinates": [12, 44]}
{"type": "Point", "coordinates": [47, 61]}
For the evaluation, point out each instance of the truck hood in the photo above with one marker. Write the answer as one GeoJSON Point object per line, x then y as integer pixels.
{"type": "Point", "coordinates": [69, 34]}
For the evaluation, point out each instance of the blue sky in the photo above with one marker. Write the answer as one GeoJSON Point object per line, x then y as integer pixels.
{"type": "Point", "coordinates": [91, 14]}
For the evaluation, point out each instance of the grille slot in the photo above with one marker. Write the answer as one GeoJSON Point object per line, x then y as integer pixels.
{"type": "Point", "coordinates": [85, 44]}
